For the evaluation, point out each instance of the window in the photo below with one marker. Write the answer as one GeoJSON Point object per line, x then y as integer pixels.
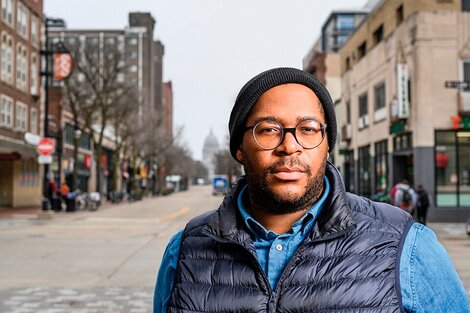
{"type": "Point", "coordinates": [363, 111]}
{"type": "Point", "coordinates": [133, 68]}
{"type": "Point", "coordinates": [362, 50]}
{"type": "Point", "coordinates": [22, 20]}
{"type": "Point", "coordinates": [345, 21]}
{"type": "Point", "coordinates": [380, 112]}
{"type": "Point", "coordinates": [21, 67]}
{"type": "Point", "coordinates": [6, 111]}
{"type": "Point", "coordinates": [7, 11]}
{"type": "Point", "coordinates": [466, 5]}
{"type": "Point", "coordinates": [452, 168]}
{"type": "Point", "coordinates": [34, 76]}
{"type": "Point", "coordinates": [132, 41]}
{"type": "Point", "coordinates": [348, 64]}
{"type": "Point", "coordinates": [132, 55]}
{"type": "Point", "coordinates": [21, 116]}
{"type": "Point", "coordinates": [363, 104]}
{"type": "Point", "coordinates": [379, 34]}
{"type": "Point", "coordinates": [466, 72]}
{"type": "Point", "coordinates": [33, 121]}
{"type": "Point", "coordinates": [85, 138]}
{"type": "Point", "coordinates": [7, 59]}
{"type": "Point", "coordinates": [381, 177]}
{"type": "Point", "coordinates": [399, 14]}
{"type": "Point", "coordinates": [34, 31]}
{"type": "Point", "coordinates": [364, 171]}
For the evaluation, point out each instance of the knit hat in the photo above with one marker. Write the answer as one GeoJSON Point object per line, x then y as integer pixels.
{"type": "Point", "coordinates": [250, 93]}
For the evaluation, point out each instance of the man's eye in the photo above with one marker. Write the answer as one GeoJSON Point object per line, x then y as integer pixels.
{"type": "Point", "coordinates": [308, 130]}
{"type": "Point", "coordinates": [269, 130]}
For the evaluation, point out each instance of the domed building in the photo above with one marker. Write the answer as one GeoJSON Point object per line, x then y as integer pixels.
{"type": "Point", "coordinates": [211, 147]}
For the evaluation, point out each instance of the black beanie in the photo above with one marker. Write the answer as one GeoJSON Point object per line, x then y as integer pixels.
{"type": "Point", "coordinates": [261, 83]}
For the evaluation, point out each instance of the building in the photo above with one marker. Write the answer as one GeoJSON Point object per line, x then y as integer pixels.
{"type": "Point", "coordinates": [210, 149]}
{"type": "Point", "coordinates": [404, 123]}
{"type": "Point", "coordinates": [20, 107]}
{"type": "Point", "coordinates": [167, 110]}
{"type": "Point", "coordinates": [323, 59]}
{"type": "Point", "coordinates": [140, 66]}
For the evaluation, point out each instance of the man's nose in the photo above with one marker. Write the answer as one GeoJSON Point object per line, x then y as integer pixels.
{"type": "Point", "coordinates": [289, 145]}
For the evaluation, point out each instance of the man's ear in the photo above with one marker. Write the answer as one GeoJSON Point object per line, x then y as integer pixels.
{"type": "Point", "coordinates": [239, 154]}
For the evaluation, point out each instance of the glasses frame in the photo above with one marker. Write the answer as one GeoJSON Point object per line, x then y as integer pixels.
{"type": "Point", "coordinates": [285, 130]}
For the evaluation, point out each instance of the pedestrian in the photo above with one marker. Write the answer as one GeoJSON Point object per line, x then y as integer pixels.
{"type": "Point", "coordinates": [64, 190]}
{"type": "Point", "coordinates": [51, 189]}
{"type": "Point", "coordinates": [404, 197]}
{"type": "Point", "coordinates": [422, 204]}
{"type": "Point", "coordinates": [288, 237]}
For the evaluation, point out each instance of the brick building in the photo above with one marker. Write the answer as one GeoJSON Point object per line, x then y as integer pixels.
{"type": "Point", "coordinates": [20, 107]}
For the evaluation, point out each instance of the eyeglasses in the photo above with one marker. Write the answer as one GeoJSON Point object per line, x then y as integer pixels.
{"type": "Point", "coordinates": [269, 135]}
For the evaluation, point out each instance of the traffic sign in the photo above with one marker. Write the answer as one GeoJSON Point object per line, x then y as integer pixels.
{"type": "Point", "coordinates": [46, 146]}
{"type": "Point", "coordinates": [458, 84]}
{"type": "Point", "coordinates": [45, 159]}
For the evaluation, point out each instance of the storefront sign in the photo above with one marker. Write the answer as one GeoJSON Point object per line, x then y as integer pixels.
{"type": "Point", "coordinates": [63, 65]}
{"type": "Point", "coordinates": [461, 122]}
{"type": "Point", "coordinates": [10, 156]}
{"type": "Point", "coordinates": [402, 91]}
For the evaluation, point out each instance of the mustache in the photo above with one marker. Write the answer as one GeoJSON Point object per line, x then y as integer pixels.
{"type": "Point", "coordinates": [290, 162]}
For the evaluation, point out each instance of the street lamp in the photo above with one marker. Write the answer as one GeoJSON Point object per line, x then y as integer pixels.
{"type": "Point", "coordinates": [47, 73]}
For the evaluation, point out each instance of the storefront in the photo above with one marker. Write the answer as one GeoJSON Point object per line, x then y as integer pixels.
{"type": "Point", "coordinates": [452, 168]}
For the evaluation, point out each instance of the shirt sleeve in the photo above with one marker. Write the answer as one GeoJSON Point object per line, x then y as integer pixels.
{"type": "Point", "coordinates": [429, 282]}
{"type": "Point", "coordinates": [166, 274]}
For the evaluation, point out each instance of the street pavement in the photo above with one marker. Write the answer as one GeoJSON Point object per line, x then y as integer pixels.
{"type": "Point", "coordinates": [107, 261]}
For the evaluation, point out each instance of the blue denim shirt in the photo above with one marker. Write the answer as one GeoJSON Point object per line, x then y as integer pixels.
{"type": "Point", "coordinates": [429, 282]}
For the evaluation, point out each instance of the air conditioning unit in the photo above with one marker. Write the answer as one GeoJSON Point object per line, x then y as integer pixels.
{"type": "Point", "coordinates": [346, 132]}
{"type": "Point", "coordinates": [464, 102]}
{"type": "Point", "coordinates": [363, 121]}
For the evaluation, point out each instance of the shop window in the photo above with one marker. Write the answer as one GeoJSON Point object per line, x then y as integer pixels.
{"type": "Point", "coordinates": [452, 168]}
{"type": "Point", "coordinates": [364, 171]}
{"type": "Point", "coordinates": [380, 160]}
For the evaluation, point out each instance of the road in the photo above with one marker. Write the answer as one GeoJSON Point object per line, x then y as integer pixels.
{"type": "Point", "coordinates": [106, 261]}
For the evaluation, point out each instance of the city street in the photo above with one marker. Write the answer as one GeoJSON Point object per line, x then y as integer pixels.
{"type": "Point", "coordinates": [106, 261]}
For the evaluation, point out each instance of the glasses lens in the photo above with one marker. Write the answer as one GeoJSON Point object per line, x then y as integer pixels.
{"type": "Point", "coordinates": [267, 134]}
{"type": "Point", "coordinates": [309, 133]}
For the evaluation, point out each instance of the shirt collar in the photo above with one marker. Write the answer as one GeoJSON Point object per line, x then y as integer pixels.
{"type": "Point", "coordinates": [304, 224]}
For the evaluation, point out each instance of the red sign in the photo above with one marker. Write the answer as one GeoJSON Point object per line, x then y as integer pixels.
{"type": "Point", "coordinates": [63, 65]}
{"type": "Point", "coordinates": [87, 161]}
{"type": "Point", "coordinates": [46, 146]}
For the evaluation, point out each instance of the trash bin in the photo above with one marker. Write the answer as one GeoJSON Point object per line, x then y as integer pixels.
{"type": "Point", "coordinates": [55, 204]}
{"type": "Point", "coordinates": [70, 202]}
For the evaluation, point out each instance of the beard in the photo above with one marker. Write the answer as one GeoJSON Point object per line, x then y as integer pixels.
{"type": "Point", "coordinates": [262, 196]}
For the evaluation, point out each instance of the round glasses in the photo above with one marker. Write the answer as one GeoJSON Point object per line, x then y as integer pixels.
{"type": "Point", "coordinates": [269, 135]}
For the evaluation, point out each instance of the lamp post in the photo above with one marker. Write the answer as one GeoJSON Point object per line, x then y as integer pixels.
{"type": "Point", "coordinates": [47, 73]}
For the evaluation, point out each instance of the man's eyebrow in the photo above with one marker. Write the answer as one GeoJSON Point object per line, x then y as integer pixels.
{"type": "Point", "coordinates": [265, 118]}
{"type": "Point", "coordinates": [309, 117]}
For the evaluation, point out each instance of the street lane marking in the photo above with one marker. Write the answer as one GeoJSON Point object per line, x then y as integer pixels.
{"type": "Point", "coordinates": [173, 215]}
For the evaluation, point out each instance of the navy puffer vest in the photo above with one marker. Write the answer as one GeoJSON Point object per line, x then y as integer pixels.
{"type": "Point", "coordinates": [348, 263]}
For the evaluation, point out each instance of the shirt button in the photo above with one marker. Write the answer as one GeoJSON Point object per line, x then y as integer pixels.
{"type": "Point", "coordinates": [278, 247]}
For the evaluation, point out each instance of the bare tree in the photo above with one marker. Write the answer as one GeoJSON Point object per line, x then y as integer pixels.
{"type": "Point", "coordinates": [98, 89]}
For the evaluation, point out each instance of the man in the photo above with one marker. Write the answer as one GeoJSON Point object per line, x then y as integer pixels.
{"type": "Point", "coordinates": [287, 237]}
{"type": "Point", "coordinates": [422, 204]}
{"type": "Point", "coordinates": [404, 196]}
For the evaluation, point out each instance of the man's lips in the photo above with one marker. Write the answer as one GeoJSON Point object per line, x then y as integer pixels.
{"type": "Point", "coordinates": [288, 173]}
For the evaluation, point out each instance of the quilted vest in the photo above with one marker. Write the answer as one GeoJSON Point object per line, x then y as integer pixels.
{"type": "Point", "coordinates": [348, 263]}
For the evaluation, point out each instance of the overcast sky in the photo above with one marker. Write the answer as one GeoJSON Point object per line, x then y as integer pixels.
{"type": "Point", "coordinates": [212, 47]}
